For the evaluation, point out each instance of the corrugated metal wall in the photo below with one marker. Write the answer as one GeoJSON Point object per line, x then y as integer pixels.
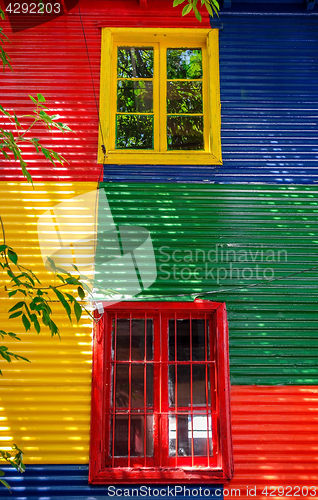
{"type": "Point", "coordinates": [45, 404]}
{"type": "Point", "coordinates": [269, 104]}
{"type": "Point", "coordinates": [259, 233]}
{"type": "Point", "coordinates": [71, 482]}
{"type": "Point", "coordinates": [269, 97]}
{"type": "Point", "coordinates": [275, 432]}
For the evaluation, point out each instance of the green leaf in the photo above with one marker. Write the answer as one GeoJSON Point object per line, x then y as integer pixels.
{"type": "Point", "coordinates": [70, 297]}
{"type": "Point", "coordinates": [64, 303]}
{"type": "Point", "coordinates": [18, 305]}
{"type": "Point", "coordinates": [13, 335]}
{"type": "Point", "coordinates": [26, 323]}
{"type": "Point", "coordinates": [32, 99]}
{"type": "Point", "coordinates": [186, 9]}
{"type": "Point", "coordinates": [41, 98]}
{"type": "Point", "coordinates": [51, 263]}
{"type": "Point", "coordinates": [15, 315]}
{"type": "Point", "coordinates": [16, 120]}
{"type": "Point", "coordinates": [77, 311]}
{"type": "Point", "coordinates": [209, 9]}
{"type": "Point", "coordinates": [197, 14]}
{"type": "Point", "coordinates": [12, 256]}
{"type": "Point", "coordinates": [3, 247]}
{"type": "Point", "coordinates": [13, 292]}
{"type": "Point", "coordinates": [7, 485]}
{"type": "Point", "coordinates": [81, 292]}
{"type": "Point", "coordinates": [177, 2]}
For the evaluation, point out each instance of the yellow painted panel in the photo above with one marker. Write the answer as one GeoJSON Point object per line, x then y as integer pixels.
{"type": "Point", "coordinates": [45, 404]}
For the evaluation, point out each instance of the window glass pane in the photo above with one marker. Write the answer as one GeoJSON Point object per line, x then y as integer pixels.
{"type": "Point", "coordinates": [138, 335]}
{"type": "Point", "coordinates": [122, 386]}
{"type": "Point", "coordinates": [184, 63]}
{"type": "Point", "coordinates": [149, 440]}
{"type": "Point", "coordinates": [172, 435]}
{"type": "Point", "coordinates": [135, 62]}
{"type": "Point", "coordinates": [183, 385]}
{"type": "Point", "coordinates": [149, 385]}
{"type": "Point", "coordinates": [137, 437]}
{"type": "Point", "coordinates": [202, 434]}
{"type": "Point", "coordinates": [198, 339]}
{"type": "Point", "coordinates": [184, 97]}
{"type": "Point", "coordinates": [137, 385]}
{"type": "Point", "coordinates": [122, 341]}
{"type": "Point", "coordinates": [134, 96]}
{"type": "Point", "coordinates": [198, 385]}
{"type": "Point", "coordinates": [182, 339]}
{"type": "Point", "coordinates": [121, 436]}
{"type": "Point", "coordinates": [184, 435]}
{"type": "Point", "coordinates": [180, 328]}
{"type": "Point", "coordinates": [134, 132]}
{"type": "Point", "coordinates": [185, 132]}
{"type": "Point", "coordinates": [196, 427]}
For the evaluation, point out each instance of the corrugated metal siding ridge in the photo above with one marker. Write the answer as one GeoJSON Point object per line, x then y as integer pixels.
{"type": "Point", "coordinates": [71, 481]}
{"type": "Point", "coordinates": [275, 431]}
{"type": "Point", "coordinates": [269, 98]}
{"type": "Point", "coordinates": [45, 404]}
{"type": "Point", "coordinates": [51, 59]}
{"type": "Point", "coordinates": [273, 325]}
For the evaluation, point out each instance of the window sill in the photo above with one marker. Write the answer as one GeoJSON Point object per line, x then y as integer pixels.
{"type": "Point", "coordinates": [164, 475]}
{"type": "Point", "coordinates": [171, 158]}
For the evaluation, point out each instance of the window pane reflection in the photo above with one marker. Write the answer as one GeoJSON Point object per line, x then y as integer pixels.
{"type": "Point", "coordinates": [184, 97]}
{"type": "Point", "coordinates": [134, 132]}
{"type": "Point", "coordinates": [134, 96]}
{"type": "Point", "coordinates": [137, 436]}
{"type": "Point", "coordinates": [135, 62]}
{"type": "Point", "coordinates": [179, 337]}
{"type": "Point", "coordinates": [185, 132]}
{"type": "Point", "coordinates": [184, 63]}
{"type": "Point", "coordinates": [192, 431]}
{"type": "Point", "coordinates": [138, 335]}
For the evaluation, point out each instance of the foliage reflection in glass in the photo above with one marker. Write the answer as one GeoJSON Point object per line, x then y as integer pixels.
{"type": "Point", "coordinates": [134, 132]}
{"type": "Point", "coordinates": [184, 97]}
{"type": "Point", "coordinates": [185, 132]}
{"type": "Point", "coordinates": [184, 63]}
{"type": "Point", "coordinates": [134, 96]}
{"type": "Point", "coordinates": [135, 62]}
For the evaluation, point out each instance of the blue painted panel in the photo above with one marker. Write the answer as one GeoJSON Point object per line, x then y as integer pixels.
{"type": "Point", "coordinates": [269, 96]}
{"type": "Point", "coordinates": [58, 482]}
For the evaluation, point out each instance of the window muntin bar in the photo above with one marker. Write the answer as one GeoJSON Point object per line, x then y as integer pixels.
{"type": "Point", "coordinates": [134, 112]}
{"type": "Point", "coordinates": [190, 409]}
{"type": "Point", "coordinates": [132, 389]}
{"type": "Point", "coordinates": [148, 428]}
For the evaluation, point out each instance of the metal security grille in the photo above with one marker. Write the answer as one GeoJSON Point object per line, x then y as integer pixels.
{"type": "Point", "coordinates": [161, 405]}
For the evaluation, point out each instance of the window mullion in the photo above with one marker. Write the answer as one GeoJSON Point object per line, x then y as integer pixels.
{"type": "Point", "coordinates": [191, 394]}
{"type": "Point", "coordinates": [129, 393]}
{"type": "Point", "coordinates": [114, 390]}
{"type": "Point", "coordinates": [163, 97]}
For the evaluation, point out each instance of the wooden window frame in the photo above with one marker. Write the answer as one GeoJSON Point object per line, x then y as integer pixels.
{"type": "Point", "coordinates": [220, 468]}
{"type": "Point", "coordinates": [160, 37]}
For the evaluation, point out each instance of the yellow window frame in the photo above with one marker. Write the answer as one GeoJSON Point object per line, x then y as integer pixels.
{"type": "Point", "coordinates": [160, 39]}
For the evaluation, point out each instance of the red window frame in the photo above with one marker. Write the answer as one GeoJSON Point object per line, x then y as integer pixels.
{"type": "Point", "coordinates": [162, 468]}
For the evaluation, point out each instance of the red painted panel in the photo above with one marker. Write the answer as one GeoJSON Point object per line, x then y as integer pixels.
{"type": "Point", "coordinates": [275, 435]}
{"type": "Point", "coordinates": [52, 59]}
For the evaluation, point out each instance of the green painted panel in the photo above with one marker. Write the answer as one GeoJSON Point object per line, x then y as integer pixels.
{"type": "Point", "coordinates": [252, 246]}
